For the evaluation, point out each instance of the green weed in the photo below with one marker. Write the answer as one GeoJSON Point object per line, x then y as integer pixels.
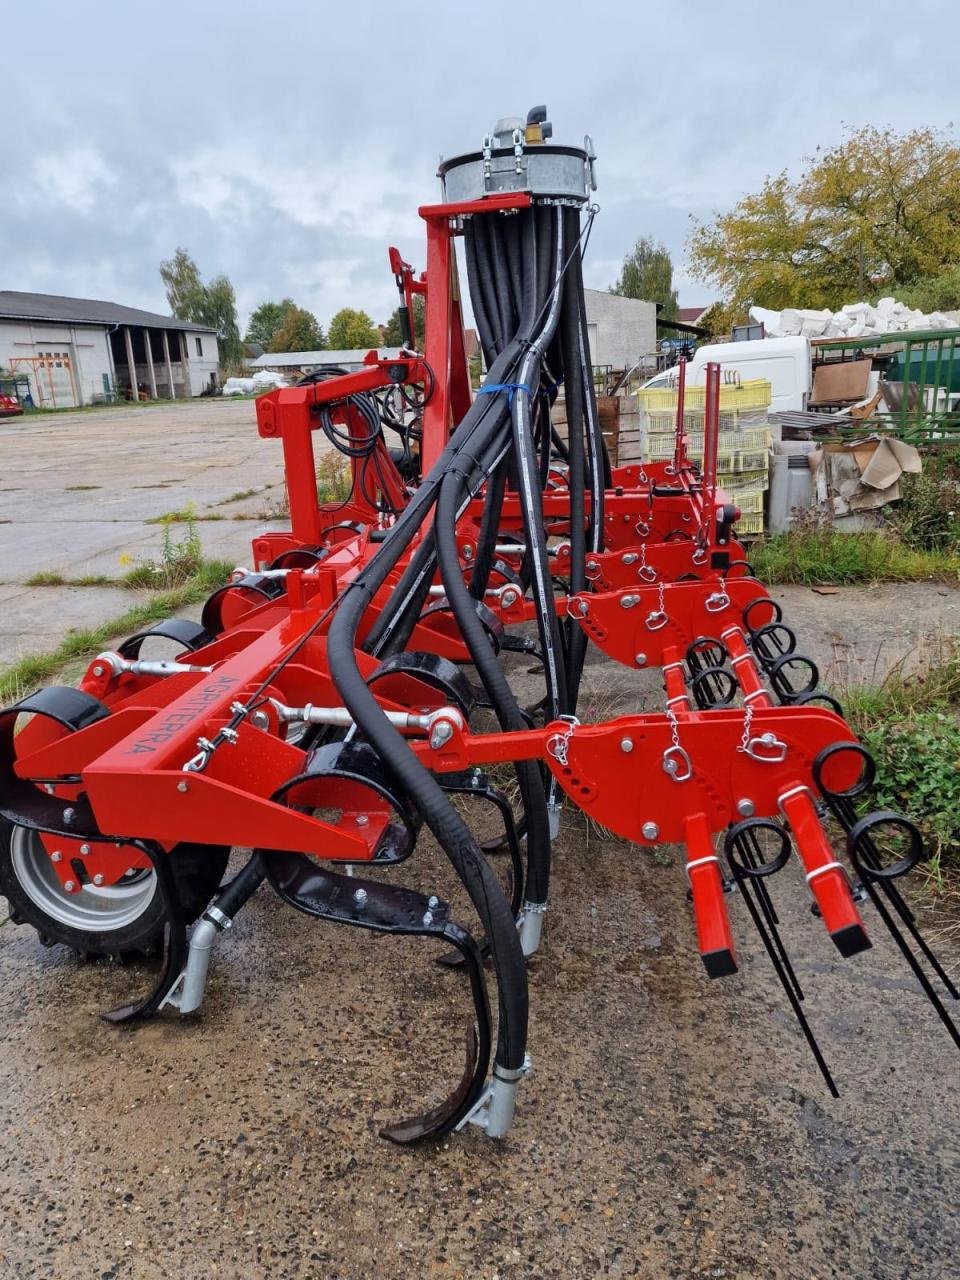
{"type": "Point", "coordinates": [40, 668]}
{"type": "Point", "coordinates": [822, 555]}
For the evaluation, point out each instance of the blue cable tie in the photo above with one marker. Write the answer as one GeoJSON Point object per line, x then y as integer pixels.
{"type": "Point", "coordinates": [511, 388]}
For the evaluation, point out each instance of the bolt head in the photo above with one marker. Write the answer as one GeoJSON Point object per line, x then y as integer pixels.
{"type": "Point", "coordinates": [467, 551]}
{"type": "Point", "coordinates": [69, 815]}
{"type": "Point", "coordinates": [433, 902]}
{"type": "Point", "coordinates": [428, 917]}
{"type": "Point", "coordinates": [362, 819]}
{"type": "Point", "coordinates": [360, 897]}
{"type": "Point", "coordinates": [746, 808]}
{"type": "Point", "coordinates": [98, 670]}
{"type": "Point", "coordinates": [640, 659]}
{"type": "Point", "coordinates": [56, 856]}
{"type": "Point", "coordinates": [626, 745]}
{"type": "Point", "coordinates": [98, 879]}
{"type": "Point", "coordinates": [650, 831]}
{"type": "Point", "coordinates": [260, 720]}
{"type": "Point", "coordinates": [182, 786]}
{"type": "Point", "coordinates": [84, 848]}
{"type": "Point", "coordinates": [508, 599]}
{"type": "Point", "coordinates": [70, 886]}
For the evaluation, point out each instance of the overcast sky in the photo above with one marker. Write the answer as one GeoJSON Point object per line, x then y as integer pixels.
{"type": "Point", "coordinates": [287, 144]}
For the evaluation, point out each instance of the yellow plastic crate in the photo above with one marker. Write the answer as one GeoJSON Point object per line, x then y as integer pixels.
{"type": "Point", "coordinates": [753, 394]}
{"type": "Point", "coordinates": [750, 501]}
{"type": "Point", "coordinates": [653, 399]}
{"type": "Point", "coordinates": [751, 459]}
{"type": "Point", "coordinates": [746, 480]}
{"type": "Point", "coordinates": [660, 419]}
{"type": "Point", "coordinates": [660, 445]}
{"type": "Point", "coordinates": [749, 526]}
{"type": "Point", "coordinates": [750, 396]}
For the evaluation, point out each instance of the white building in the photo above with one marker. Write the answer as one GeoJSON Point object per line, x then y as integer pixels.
{"type": "Point", "coordinates": [77, 351]}
{"type": "Point", "coordinates": [621, 330]}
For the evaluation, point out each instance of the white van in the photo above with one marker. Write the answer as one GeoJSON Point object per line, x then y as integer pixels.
{"type": "Point", "coordinates": [784, 362]}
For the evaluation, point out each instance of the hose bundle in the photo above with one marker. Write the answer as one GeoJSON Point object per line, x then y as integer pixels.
{"type": "Point", "coordinates": [524, 274]}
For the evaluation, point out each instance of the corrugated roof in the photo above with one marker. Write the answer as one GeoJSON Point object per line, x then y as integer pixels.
{"type": "Point", "coordinates": [311, 359]}
{"type": "Point", "coordinates": [52, 307]}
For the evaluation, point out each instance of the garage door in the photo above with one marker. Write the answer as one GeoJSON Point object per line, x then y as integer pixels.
{"type": "Point", "coordinates": [53, 371]}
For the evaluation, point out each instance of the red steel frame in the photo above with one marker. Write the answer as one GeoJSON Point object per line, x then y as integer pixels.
{"type": "Point", "coordinates": [132, 762]}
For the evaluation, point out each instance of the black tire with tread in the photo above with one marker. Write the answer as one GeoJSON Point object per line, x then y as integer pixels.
{"type": "Point", "coordinates": [197, 870]}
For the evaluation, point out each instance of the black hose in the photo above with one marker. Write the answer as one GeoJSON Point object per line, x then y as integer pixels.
{"type": "Point", "coordinates": [570, 335]}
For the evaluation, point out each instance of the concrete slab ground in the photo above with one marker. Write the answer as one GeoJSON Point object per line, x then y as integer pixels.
{"type": "Point", "coordinates": [77, 491]}
{"type": "Point", "coordinates": [673, 1127]}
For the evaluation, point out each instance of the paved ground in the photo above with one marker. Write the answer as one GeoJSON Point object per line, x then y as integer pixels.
{"type": "Point", "coordinates": [672, 1127]}
{"type": "Point", "coordinates": [76, 490]}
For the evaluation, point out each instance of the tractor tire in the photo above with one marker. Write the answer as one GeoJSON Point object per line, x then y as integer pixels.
{"type": "Point", "coordinates": [123, 920]}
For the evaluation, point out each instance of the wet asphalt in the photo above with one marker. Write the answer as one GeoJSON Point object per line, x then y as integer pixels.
{"type": "Point", "coordinates": [672, 1126]}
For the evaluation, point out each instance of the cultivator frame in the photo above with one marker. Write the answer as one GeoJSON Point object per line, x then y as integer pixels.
{"type": "Point", "coordinates": [320, 713]}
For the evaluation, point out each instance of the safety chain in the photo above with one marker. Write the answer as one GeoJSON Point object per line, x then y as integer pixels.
{"type": "Point", "coordinates": [674, 727]}
{"type": "Point", "coordinates": [747, 721]}
{"type": "Point", "coordinates": [676, 760]}
{"type": "Point", "coordinates": [644, 570]}
{"type": "Point", "coordinates": [558, 743]}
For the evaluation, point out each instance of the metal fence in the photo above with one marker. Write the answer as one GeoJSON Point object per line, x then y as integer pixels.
{"type": "Point", "coordinates": [919, 388]}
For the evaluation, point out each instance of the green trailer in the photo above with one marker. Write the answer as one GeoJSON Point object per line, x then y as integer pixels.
{"type": "Point", "coordinates": [921, 374]}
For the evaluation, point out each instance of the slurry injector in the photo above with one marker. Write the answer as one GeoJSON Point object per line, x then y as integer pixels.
{"type": "Point", "coordinates": [336, 698]}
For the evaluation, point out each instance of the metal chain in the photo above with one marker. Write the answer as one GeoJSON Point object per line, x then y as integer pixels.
{"type": "Point", "coordinates": [674, 727]}
{"type": "Point", "coordinates": [558, 743]}
{"type": "Point", "coordinates": [747, 721]}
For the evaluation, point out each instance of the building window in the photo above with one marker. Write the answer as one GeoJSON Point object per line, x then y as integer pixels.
{"type": "Point", "coordinates": [199, 347]}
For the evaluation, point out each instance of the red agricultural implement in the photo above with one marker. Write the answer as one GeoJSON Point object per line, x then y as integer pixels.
{"type": "Point", "coordinates": [332, 700]}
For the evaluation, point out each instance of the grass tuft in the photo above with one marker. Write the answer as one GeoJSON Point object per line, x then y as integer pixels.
{"type": "Point", "coordinates": [40, 668]}
{"type": "Point", "coordinates": [823, 556]}
{"type": "Point", "coordinates": [910, 724]}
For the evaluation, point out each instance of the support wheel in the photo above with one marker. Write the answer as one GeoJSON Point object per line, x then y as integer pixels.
{"type": "Point", "coordinates": [123, 919]}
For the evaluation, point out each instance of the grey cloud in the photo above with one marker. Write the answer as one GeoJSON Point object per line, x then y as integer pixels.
{"type": "Point", "coordinates": [287, 146]}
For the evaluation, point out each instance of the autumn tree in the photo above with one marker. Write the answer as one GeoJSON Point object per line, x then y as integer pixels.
{"type": "Point", "coordinates": [265, 320]}
{"type": "Point", "coordinates": [298, 330]}
{"type": "Point", "coordinates": [881, 209]}
{"type": "Point", "coordinates": [213, 304]}
{"type": "Point", "coordinates": [352, 331]}
{"type": "Point", "coordinates": [647, 273]}
{"type": "Point", "coordinates": [393, 334]}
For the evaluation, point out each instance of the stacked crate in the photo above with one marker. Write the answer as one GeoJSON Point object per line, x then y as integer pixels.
{"type": "Point", "coordinates": [608, 412]}
{"type": "Point", "coordinates": [743, 449]}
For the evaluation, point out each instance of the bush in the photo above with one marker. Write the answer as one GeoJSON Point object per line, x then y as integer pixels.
{"type": "Point", "coordinates": [811, 555]}
{"type": "Point", "coordinates": [918, 773]}
{"type": "Point", "coordinates": [926, 518]}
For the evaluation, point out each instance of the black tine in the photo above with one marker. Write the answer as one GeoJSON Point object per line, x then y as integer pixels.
{"type": "Point", "coordinates": [750, 847]}
{"type": "Point", "coordinates": [788, 989]}
{"type": "Point", "coordinates": [754, 858]}
{"type": "Point", "coordinates": [912, 961]}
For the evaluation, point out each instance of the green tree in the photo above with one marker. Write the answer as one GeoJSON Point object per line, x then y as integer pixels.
{"type": "Point", "coordinates": [935, 293]}
{"type": "Point", "coordinates": [647, 273]}
{"type": "Point", "coordinates": [880, 205]}
{"type": "Point", "coordinates": [720, 318]}
{"type": "Point", "coordinates": [352, 331]}
{"type": "Point", "coordinates": [213, 304]}
{"type": "Point", "coordinates": [298, 331]}
{"type": "Point", "coordinates": [393, 335]}
{"type": "Point", "coordinates": [265, 320]}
